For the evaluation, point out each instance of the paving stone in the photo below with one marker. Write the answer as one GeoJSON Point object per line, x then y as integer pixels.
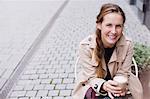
{"type": "Point", "coordinates": [58, 97]}
{"type": "Point", "coordinates": [53, 75]}
{"type": "Point", "coordinates": [25, 77]}
{"type": "Point", "coordinates": [35, 81]}
{"type": "Point", "coordinates": [38, 87]}
{"type": "Point", "coordinates": [70, 86]}
{"type": "Point", "coordinates": [46, 81]}
{"type": "Point", "coordinates": [38, 66]}
{"type": "Point", "coordinates": [30, 71]}
{"type": "Point", "coordinates": [56, 63]}
{"type": "Point", "coordinates": [56, 81]}
{"type": "Point", "coordinates": [71, 75]}
{"type": "Point", "coordinates": [23, 82]}
{"type": "Point", "coordinates": [18, 93]}
{"type": "Point", "coordinates": [34, 76]}
{"type": "Point", "coordinates": [53, 93]}
{"type": "Point", "coordinates": [68, 97]}
{"type": "Point", "coordinates": [18, 87]}
{"type": "Point", "coordinates": [41, 71]}
{"type": "Point", "coordinates": [13, 98]}
{"type": "Point", "coordinates": [45, 97]}
{"type": "Point", "coordinates": [60, 86]}
{"type": "Point", "coordinates": [71, 70]}
{"type": "Point", "coordinates": [43, 76]}
{"type": "Point", "coordinates": [31, 93]}
{"type": "Point", "coordinates": [45, 63]}
{"type": "Point", "coordinates": [68, 80]}
{"type": "Point", "coordinates": [28, 87]}
{"type": "Point", "coordinates": [35, 97]}
{"type": "Point", "coordinates": [23, 98]}
{"type": "Point", "coordinates": [65, 92]}
{"type": "Point", "coordinates": [63, 75]}
{"type": "Point", "coordinates": [60, 70]}
{"type": "Point", "coordinates": [42, 93]}
{"type": "Point", "coordinates": [49, 86]}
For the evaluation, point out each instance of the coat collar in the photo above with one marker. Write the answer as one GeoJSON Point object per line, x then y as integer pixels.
{"type": "Point", "coordinates": [119, 46]}
{"type": "Point", "coordinates": [91, 41]}
{"type": "Point", "coordinates": [117, 53]}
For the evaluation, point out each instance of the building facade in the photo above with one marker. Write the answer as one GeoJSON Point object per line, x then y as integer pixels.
{"type": "Point", "coordinates": [143, 10]}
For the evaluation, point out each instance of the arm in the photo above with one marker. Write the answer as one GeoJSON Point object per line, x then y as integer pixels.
{"type": "Point", "coordinates": [88, 68]}
{"type": "Point", "coordinates": [124, 67]}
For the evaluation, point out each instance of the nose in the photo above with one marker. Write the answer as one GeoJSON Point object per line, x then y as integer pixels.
{"type": "Point", "coordinates": [114, 30]}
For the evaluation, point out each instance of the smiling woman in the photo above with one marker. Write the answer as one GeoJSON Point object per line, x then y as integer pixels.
{"type": "Point", "coordinates": [111, 29]}
{"type": "Point", "coordinates": [105, 55]}
{"type": "Point", "coordinates": [110, 23]}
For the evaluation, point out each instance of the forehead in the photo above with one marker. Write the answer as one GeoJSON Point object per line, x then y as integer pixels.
{"type": "Point", "coordinates": [113, 18]}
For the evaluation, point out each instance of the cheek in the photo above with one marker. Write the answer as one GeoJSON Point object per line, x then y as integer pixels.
{"type": "Point", "coordinates": [120, 31]}
{"type": "Point", "coordinates": [105, 31]}
{"type": "Point", "coordinates": [104, 34]}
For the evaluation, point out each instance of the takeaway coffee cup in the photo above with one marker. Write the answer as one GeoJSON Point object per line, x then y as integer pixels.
{"type": "Point", "coordinates": [122, 80]}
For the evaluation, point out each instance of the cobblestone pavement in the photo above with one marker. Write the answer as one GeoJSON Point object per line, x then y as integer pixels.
{"type": "Point", "coordinates": [49, 74]}
{"type": "Point", "coordinates": [20, 24]}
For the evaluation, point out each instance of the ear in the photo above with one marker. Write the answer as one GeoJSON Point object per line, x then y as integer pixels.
{"type": "Point", "coordinates": [98, 26]}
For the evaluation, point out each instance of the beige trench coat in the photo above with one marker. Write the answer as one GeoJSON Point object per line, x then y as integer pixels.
{"type": "Point", "coordinates": [120, 63]}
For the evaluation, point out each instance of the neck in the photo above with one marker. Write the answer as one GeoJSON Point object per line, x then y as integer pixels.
{"type": "Point", "coordinates": [108, 46]}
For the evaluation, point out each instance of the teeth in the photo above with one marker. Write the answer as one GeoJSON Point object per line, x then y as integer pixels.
{"type": "Point", "coordinates": [112, 37]}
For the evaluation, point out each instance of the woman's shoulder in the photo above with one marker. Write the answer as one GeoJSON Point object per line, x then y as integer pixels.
{"type": "Point", "coordinates": [89, 40]}
{"type": "Point", "coordinates": [124, 40]}
{"type": "Point", "coordinates": [128, 38]}
{"type": "Point", "coordinates": [129, 41]}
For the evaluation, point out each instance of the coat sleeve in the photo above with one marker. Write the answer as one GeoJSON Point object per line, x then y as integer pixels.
{"type": "Point", "coordinates": [135, 86]}
{"type": "Point", "coordinates": [124, 67]}
{"type": "Point", "coordinates": [88, 68]}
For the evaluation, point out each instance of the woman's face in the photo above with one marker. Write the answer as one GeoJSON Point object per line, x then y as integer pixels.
{"type": "Point", "coordinates": [111, 29]}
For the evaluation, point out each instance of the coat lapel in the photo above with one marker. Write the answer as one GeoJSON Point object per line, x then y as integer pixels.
{"type": "Point", "coordinates": [115, 56]}
{"type": "Point", "coordinates": [93, 45]}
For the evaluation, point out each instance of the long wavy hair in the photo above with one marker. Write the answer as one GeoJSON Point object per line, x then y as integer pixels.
{"type": "Point", "coordinates": [99, 50]}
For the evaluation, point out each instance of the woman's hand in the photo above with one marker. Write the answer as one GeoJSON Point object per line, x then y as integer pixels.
{"type": "Point", "coordinates": [113, 89]}
{"type": "Point", "coordinates": [116, 95]}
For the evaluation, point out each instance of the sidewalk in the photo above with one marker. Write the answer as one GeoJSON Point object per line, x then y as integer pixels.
{"type": "Point", "coordinates": [21, 23]}
{"type": "Point", "coordinates": [49, 74]}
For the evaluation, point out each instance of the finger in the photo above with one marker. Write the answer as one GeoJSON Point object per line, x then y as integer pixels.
{"type": "Point", "coordinates": [114, 83]}
{"type": "Point", "coordinates": [110, 95]}
{"type": "Point", "coordinates": [107, 88]}
{"type": "Point", "coordinates": [113, 89]}
{"type": "Point", "coordinates": [123, 94]}
{"type": "Point", "coordinates": [115, 92]}
{"type": "Point", "coordinates": [116, 95]}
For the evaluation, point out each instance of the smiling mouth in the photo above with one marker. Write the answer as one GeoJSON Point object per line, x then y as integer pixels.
{"type": "Point", "coordinates": [112, 36]}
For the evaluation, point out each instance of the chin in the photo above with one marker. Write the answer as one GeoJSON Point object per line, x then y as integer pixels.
{"type": "Point", "coordinates": [112, 42]}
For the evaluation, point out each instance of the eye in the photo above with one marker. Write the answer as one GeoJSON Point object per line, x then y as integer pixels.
{"type": "Point", "coordinates": [118, 26]}
{"type": "Point", "coordinates": [109, 25]}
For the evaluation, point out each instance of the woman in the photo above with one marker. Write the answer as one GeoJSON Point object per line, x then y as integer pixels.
{"type": "Point", "coordinates": [105, 55]}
